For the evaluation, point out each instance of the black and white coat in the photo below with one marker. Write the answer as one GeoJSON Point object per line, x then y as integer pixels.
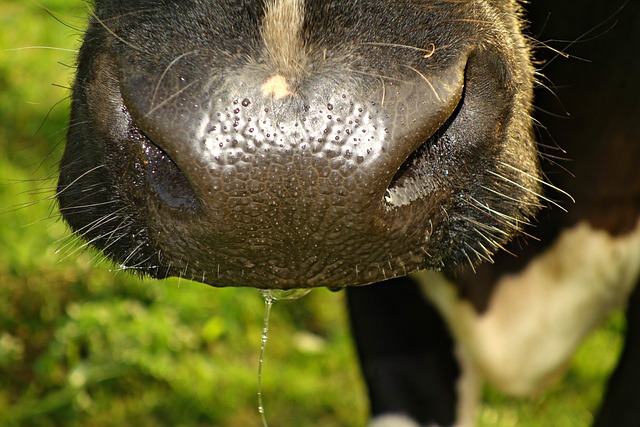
{"type": "Point", "coordinates": [517, 321]}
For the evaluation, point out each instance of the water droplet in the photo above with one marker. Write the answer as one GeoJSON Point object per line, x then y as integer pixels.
{"type": "Point", "coordinates": [329, 107]}
{"type": "Point", "coordinates": [285, 294]}
{"type": "Point", "coordinates": [246, 102]}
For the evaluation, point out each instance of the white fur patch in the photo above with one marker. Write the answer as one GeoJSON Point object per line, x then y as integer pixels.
{"type": "Point", "coordinates": [537, 318]}
{"type": "Point", "coordinates": [282, 36]}
{"type": "Point", "coordinates": [276, 86]}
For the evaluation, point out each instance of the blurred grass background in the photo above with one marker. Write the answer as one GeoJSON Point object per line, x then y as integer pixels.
{"type": "Point", "coordinates": [81, 344]}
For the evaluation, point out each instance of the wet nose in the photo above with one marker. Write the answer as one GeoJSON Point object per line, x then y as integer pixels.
{"type": "Point", "coordinates": [257, 144]}
{"type": "Point", "coordinates": [298, 171]}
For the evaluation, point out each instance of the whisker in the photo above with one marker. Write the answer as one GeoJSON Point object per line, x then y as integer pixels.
{"type": "Point", "coordinates": [548, 184]}
{"type": "Point", "coordinates": [60, 49]}
{"type": "Point", "coordinates": [427, 52]}
{"type": "Point", "coordinates": [505, 219]}
{"type": "Point", "coordinates": [165, 72]}
{"type": "Point", "coordinates": [170, 98]}
{"type": "Point", "coordinates": [473, 267]}
{"type": "Point", "coordinates": [426, 80]}
{"type": "Point", "coordinates": [514, 200]}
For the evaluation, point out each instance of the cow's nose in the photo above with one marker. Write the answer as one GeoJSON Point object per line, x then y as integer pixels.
{"type": "Point", "coordinates": [264, 143]}
{"type": "Point", "coordinates": [286, 173]}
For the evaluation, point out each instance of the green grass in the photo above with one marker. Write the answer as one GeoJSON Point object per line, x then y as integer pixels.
{"type": "Point", "coordinates": [83, 345]}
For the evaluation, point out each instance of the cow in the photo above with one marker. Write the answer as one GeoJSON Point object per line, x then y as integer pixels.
{"type": "Point", "coordinates": [296, 144]}
{"type": "Point", "coordinates": [516, 321]}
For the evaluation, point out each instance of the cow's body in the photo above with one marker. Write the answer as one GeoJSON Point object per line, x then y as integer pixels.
{"type": "Point", "coordinates": [299, 143]}
{"type": "Point", "coordinates": [518, 321]}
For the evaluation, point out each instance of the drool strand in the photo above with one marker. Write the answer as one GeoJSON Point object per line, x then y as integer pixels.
{"type": "Point", "coordinates": [270, 296]}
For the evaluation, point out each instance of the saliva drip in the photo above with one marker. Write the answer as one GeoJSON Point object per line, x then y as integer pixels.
{"type": "Point", "coordinates": [270, 296]}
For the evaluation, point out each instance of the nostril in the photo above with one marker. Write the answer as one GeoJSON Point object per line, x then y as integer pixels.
{"type": "Point", "coordinates": [477, 119]}
{"type": "Point", "coordinates": [162, 175]}
{"type": "Point", "coordinates": [417, 176]}
{"type": "Point", "coordinates": [422, 171]}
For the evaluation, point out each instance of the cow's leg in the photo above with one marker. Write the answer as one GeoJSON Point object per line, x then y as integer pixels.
{"type": "Point", "coordinates": [622, 399]}
{"type": "Point", "coordinates": [536, 319]}
{"type": "Point", "coordinates": [406, 352]}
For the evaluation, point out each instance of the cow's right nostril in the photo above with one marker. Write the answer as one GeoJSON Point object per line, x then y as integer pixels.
{"type": "Point", "coordinates": [162, 175]}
